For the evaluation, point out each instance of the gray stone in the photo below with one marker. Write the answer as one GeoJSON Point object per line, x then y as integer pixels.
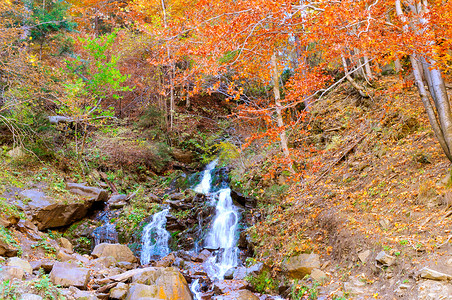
{"type": "Point", "coordinates": [11, 272]}
{"type": "Point", "coordinates": [47, 212]}
{"type": "Point", "coordinates": [30, 297]}
{"type": "Point", "coordinates": [226, 286]}
{"type": "Point", "coordinates": [66, 274]}
{"type": "Point", "coordinates": [364, 255]}
{"type": "Point", "coordinates": [120, 291]}
{"type": "Point", "coordinates": [118, 251]}
{"type": "Point", "coordinates": [301, 265]}
{"type": "Point", "coordinates": [229, 274]}
{"type": "Point", "coordinates": [428, 273]}
{"type": "Point", "coordinates": [139, 291]}
{"type": "Point", "coordinates": [434, 290]}
{"type": "Point", "coordinates": [17, 262]}
{"type": "Point", "coordinates": [64, 242]}
{"type": "Point", "coordinates": [385, 259]}
{"type": "Point", "coordinates": [125, 265]}
{"type": "Point", "coordinates": [93, 193]}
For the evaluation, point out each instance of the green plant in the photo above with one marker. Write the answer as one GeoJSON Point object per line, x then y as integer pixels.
{"type": "Point", "coordinates": [44, 287]}
{"type": "Point", "coordinates": [44, 244]}
{"type": "Point", "coordinates": [8, 290]}
{"type": "Point", "coordinates": [263, 283]}
{"type": "Point", "coordinates": [6, 237]}
{"type": "Point", "coordinates": [300, 291]}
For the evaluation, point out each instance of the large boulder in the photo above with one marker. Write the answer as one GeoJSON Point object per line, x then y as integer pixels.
{"type": "Point", "coordinates": [238, 295]}
{"type": "Point", "coordinates": [93, 193]}
{"type": "Point", "coordinates": [118, 251]}
{"type": "Point", "coordinates": [7, 249]}
{"type": "Point", "coordinates": [47, 212]}
{"type": "Point", "coordinates": [17, 262]}
{"type": "Point", "coordinates": [301, 265]}
{"type": "Point", "coordinates": [142, 291]}
{"type": "Point", "coordinates": [10, 272]}
{"type": "Point", "coordinates": [164, 280]}
{"type": "Point", "coordinates": [68, 274]}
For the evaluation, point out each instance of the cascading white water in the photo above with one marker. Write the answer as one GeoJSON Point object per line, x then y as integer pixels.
{"type": "Point", "coordinates": [204, 186]}
{"type": "Point", "coordinates": [155, 238]}
{"type": "Point", "coordinates": [222, 234]}
{"type": "Point", "coordinates": [195, 289]}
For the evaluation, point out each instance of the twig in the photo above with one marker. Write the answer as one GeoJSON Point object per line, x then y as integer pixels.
{"type": "Point", "coordinates": [340, 158]}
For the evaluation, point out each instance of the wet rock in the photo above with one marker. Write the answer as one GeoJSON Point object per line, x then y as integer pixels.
{"type": "Point", "coordinates": [93, 193]}
{"type": "Point", "coordinates": [364, 255]}
{"type": "Point", "coordinates": [433, 290]}
{"type": "Point", "coordinates": [255, 269]}
{"type": "Point", "coordinates": [240, 273]}
{"type": "Point", "coordinates": [204, 255]}
{"type": "Point", "coordinates": [428, 273]}
{"type": "Point", "coordinates": [176, 196]}
{"type": "Point", "coordinates": [226, 286]}
{"type": "Point", "coordinates": [195, 269]}
{"type": "Point", "coordinates": [241, 199]}
{"type": "Point", "coordinates": [120, 291]}
{"type": "Point", "coordinates": [17, 262]}
{"type": "Point", "coordinates": [66, 275]}
{"type": "Point", "coordinates": [118, 251]}
{"type": "Point", "coordinates": [11, 272]}
{"type": "Point", "coordinates": [238, 295]}
{"type": "Point", "coordinates": [47, 212]}
{"type": "Point", "coordinates": [385, 259]}
{"type": "Point", "coordinates": [229, 274]}
{"type": "Point", "coordinates": [301, 265]}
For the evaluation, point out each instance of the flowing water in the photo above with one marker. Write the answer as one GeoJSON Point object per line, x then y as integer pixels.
{"type": "Point", "coordinates": [223, 231]}
{"type": "Point", "coordinates": [195, 289]}
{"type": "Point", "coordinates": [107, 232]}
{"type": "Point", "coordinates": [155, 238]}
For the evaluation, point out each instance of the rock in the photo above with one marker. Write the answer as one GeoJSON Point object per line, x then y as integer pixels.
{"type": "Point", "coordinates": [103, 262]}
{"type": "Point", "coordinates": [30, 297]}
{"type": "Point", "coordinates": [154, 198]}
{"type": "Point", "coordinates": [301, 265]}
{"type": "Point", "coordinates": [63, 256]}
{"type": "Point", "coordinates": [66, 275]}
{"type": "Point", "coordinates": [120, 291]}
{"type": "Point", "coordinates": [255, 269]}
{"type": "Point", "coordinates": [167, 261]}
{"type": "Point", "coordinates": [16, 153]}
{"type": "Point", "coordinates": [84, 295]}
{"type": "Point", "coordinates": [139, 291]}
{"type": "Point", "coordinates": [118, 251]}
{"type": "Point", "coordinates": [319, 275]}
{"type": "Point", "coordinates": [428, 273]}
{"type": "Point", "coordinates": [125, 265]}
{"type": "Point", "coordinates": [238, 295]}
{"type": "Point", "coordinates": [185, 157]}
{"type": "Point", "coordinates": [167, 280]}
{"type": "Point", "coordinates": [176, 196]}
{"type": "Point", "coordinates": [240, 273]}
{"type": "Point", "coordinates": [364, 255]}
{"type": "Point", "coordinates": [247, 202]}
{"type": "Point", "coordinates": [36, 264]}
{"type": "Point", "coordinates": [226, 286]}
{"type": "Point", "coordinates": [11, 272]}
{"type": "Point", "coordinates": [47, 212]}
{"type": "Point", "coordinates": [64, 242]}
{"type": "Point", "coordinates": [93, 193]}
{"type": "Point", "coordinates": [204, 255]}
{"type": "Point", "coordinates": [17, 262]}
{"type": "Point", "coordinates": [402, 289]}
{"type": "Point", "coordinates": [7, 249]}
{"type": "Point", "coordinates": [195, 269]}
{"type": "Point", "coordinates": [385, 259]}
{"type": "Point", "coordinates": [117, 201]}
{"type": "Point", "coordinates": [229, 274]}
{"type": "Point", "coordinates": [433, 290]}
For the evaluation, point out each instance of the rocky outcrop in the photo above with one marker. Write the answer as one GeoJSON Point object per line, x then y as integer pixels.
{"type": "Point", "coordinates": [301, 265]}
{"type": "Point", "coordinates": [94, 194]}
{"type": "Point", "coordinates": [118, 251]}
{"type": "Point", "coordinates": [47, 212]}
{"type": "Point", "coordinates": [68, 274]}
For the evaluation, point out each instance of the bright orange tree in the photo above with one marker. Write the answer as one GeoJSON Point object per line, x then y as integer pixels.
{"type": "Point", "coordinates": [232, 42]}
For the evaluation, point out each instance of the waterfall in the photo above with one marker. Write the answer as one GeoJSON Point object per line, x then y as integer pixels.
{"type": "Point", "coordinates": [155, 238]}
{"type": "Point", "coordinates": [223, 235]}
{"type": "Point", "coordinates": [107, 232]}
{"type": "Point", "coordinates": [195, 288]}
{"type": "Point", "coordinates": [204, 186]}
{"type": "Point", "coordinates": [223, 232]}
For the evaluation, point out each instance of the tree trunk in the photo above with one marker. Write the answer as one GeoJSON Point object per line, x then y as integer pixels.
{"type": "Point", "coordinates": [397, 66]}
{"type": "Point", "coordinates": [356, 85]}
{"type": "Point", "coordinates": [441, 119]}
{"type": "Point", "coordinates": [282, 135]}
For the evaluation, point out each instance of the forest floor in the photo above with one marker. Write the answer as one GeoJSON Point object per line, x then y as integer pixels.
{"type": "Point", "coordinates": [380, 183]}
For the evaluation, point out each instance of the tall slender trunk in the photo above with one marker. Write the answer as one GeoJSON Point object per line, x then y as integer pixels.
{"type": "Point", "coordinates": [282, 135]}
{"type": "Point", "coordinates": [397, 65]}
{"type": "Point", "coordinates": [356, 85]}
{"type": "Point", "coordinates": [440, 114]}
